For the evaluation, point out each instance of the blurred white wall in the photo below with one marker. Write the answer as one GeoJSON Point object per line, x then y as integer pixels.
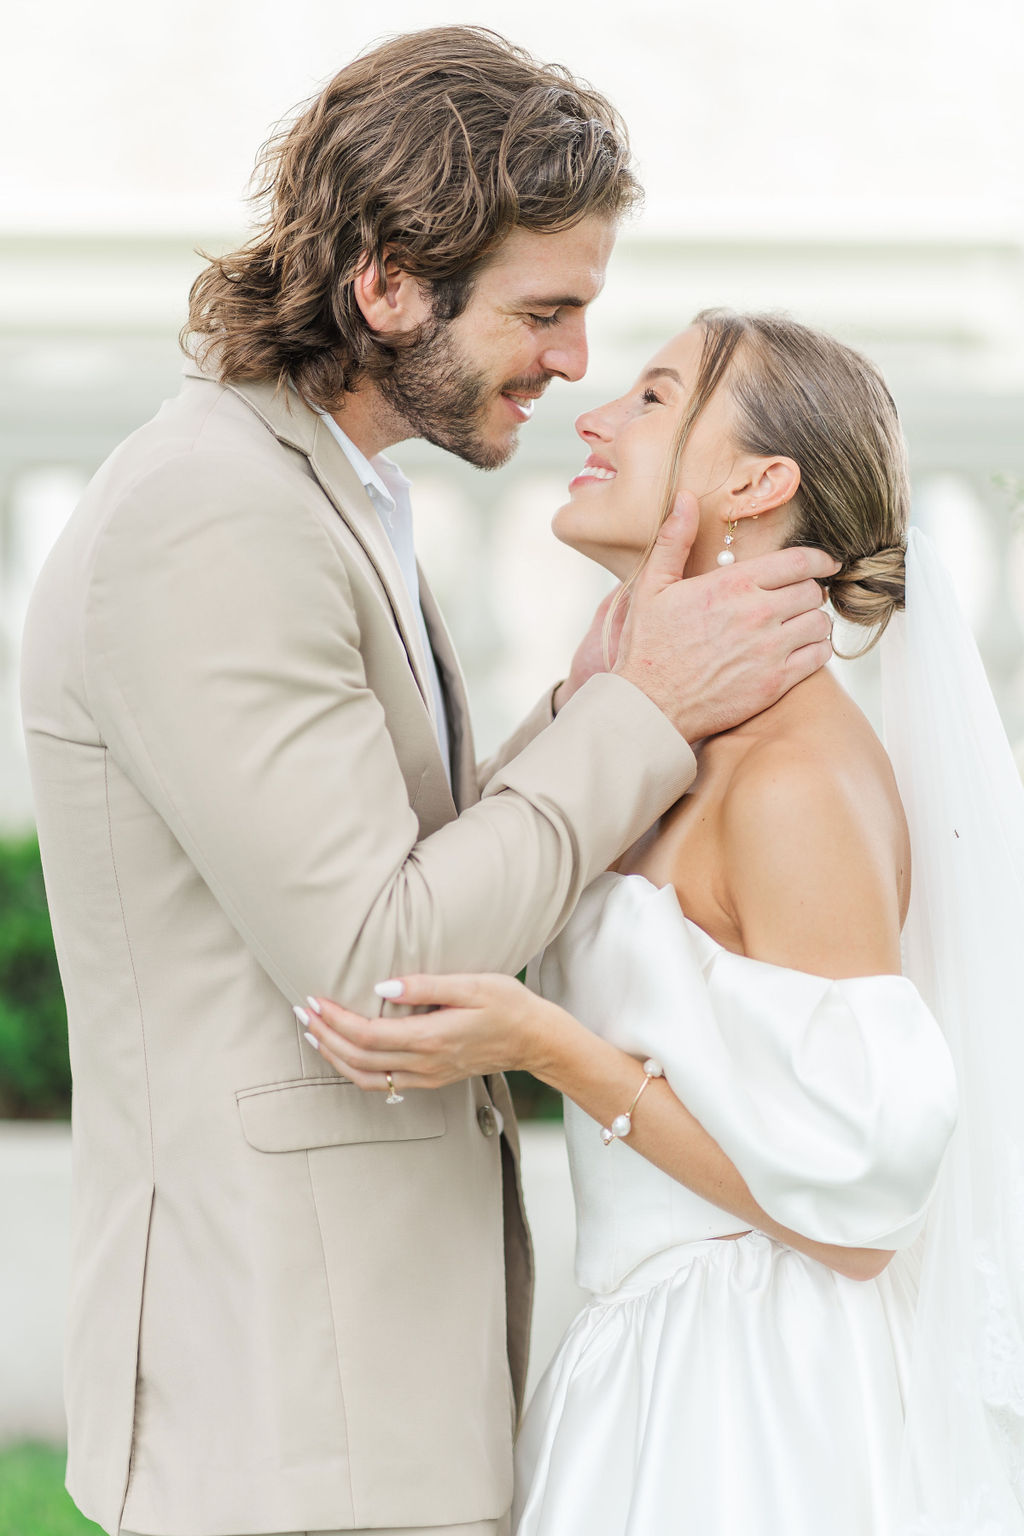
{"type": "Point", "coordinates": [859, 166]}
{"type": "Point", "coordinates": [803, 115]}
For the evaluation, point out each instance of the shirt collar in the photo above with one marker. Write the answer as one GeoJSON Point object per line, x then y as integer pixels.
{"type": "Point", "coordinates": [379, 475]}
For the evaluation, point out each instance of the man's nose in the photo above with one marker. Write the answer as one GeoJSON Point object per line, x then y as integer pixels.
{"type": "Point", "coordinates": [567, 356]}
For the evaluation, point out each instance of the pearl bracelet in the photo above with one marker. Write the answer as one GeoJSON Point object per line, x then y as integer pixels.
{"type": "Point", "coordinates": [623, 1124]}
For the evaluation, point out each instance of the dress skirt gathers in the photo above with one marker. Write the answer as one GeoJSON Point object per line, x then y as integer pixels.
{"type": "Point", "coordinates": [726, 1387]}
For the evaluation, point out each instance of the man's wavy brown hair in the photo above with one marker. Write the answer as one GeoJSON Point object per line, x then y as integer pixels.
{"type": "Point", "coordinates": [427, 151]}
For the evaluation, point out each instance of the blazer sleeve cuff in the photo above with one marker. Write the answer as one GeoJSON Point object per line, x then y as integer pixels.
{"type": "Point", "coordinates": [539, 718]}
{"type": "Point", "coordinates": [609, 732]}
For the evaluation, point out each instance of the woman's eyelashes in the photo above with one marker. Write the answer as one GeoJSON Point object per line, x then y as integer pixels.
{"type": "Point", "coordinates": [651, 397]}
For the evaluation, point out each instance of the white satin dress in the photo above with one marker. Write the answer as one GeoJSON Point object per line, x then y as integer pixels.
{"type": "Point", "coordinates": [735, 1388]}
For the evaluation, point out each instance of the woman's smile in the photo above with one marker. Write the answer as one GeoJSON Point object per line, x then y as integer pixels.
{"type": "Point", "coordinates": [594, 471]}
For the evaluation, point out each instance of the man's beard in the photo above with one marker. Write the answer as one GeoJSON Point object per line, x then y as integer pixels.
{"type": "Point", "coordinates": [439, 397]}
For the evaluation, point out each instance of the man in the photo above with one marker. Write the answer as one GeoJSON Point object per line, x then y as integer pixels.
{"type": "Point", "coordinates": [255, 781]}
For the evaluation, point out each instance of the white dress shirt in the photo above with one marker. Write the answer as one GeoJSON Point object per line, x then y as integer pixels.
{"type": "Point", "coordinates": [388, 490]}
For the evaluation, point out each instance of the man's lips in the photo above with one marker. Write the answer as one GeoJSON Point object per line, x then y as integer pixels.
{"type": "Point", "coordinates": [522, 405]}
{"type": "Point", "coordinates": [523, 397]}
{"type": "Point", "coordinates": [595, 471]}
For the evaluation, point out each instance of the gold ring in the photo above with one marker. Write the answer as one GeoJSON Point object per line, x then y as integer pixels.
{"type": "Point", "coordinates": [393, 1097]}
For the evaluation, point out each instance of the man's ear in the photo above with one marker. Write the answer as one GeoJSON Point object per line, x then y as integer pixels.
{"type": "Point", "coordinates": [766, 484]}
{"type": "Point", "coordinates": [403, 305]}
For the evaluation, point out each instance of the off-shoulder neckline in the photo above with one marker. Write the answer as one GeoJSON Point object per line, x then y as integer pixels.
{"type": "Point", "coordinates": [770, 965]}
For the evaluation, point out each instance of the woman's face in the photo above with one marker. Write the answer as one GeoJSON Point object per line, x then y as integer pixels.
{"type": "Point", "coordinates": [615, 502]}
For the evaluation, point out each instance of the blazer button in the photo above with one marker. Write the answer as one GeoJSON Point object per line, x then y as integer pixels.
{"type": "Point", "coordinates": [490, 1120]}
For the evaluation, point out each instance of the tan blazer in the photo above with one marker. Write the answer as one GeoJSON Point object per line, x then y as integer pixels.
{"type": "Point", "coordinates": [288, 1305]}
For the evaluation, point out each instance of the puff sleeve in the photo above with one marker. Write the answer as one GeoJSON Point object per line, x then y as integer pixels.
{"type": "Point", "coordinates": [834, 1099]}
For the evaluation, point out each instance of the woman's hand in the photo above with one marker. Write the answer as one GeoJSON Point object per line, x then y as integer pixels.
{"type": "Point", "coordinates": [477, 1024]}
{"type": "Point", "coordinates": [485, 1024]}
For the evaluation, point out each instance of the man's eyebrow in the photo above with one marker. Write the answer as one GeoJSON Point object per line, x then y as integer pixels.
{"type": "Point", "coordinates": [662, 373]}
{"type": "Point", "coordinates": [568, 301]}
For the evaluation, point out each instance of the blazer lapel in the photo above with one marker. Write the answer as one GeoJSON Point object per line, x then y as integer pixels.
{"type": "Point", "coordinates": [344, 488]}
{"type": "Point", "coordinates": [464, 780]}
{"type": "Point", "coordinates": [295, 424]}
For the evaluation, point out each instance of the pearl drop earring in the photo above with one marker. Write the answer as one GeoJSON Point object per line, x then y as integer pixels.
{"type": "Point", "coordinates": [727, 557]}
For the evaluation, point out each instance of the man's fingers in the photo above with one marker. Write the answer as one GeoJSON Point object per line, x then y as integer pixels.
{"type": "Point", "coordinates": [804, 662]}
{"type": "Point", "coordinates": [807, 629]}
{"type": "Point", "coordinates": [784, 566]}
{"type": "Point", "coordinates": [675, 540]}
{"type": "Point", "coordinates": [800, 597]}
{"type": "Point", "coordinates": [731, 625]}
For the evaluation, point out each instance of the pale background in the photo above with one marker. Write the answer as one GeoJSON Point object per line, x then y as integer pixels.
{"type": "Point", "coordinates": [857, 164]}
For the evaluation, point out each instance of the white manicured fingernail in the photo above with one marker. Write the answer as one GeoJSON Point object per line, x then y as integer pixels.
{"type": "Point", "coordinates": [389, 989]}
{"type": "Point", "coordinates": [315, 1006]}
{"type": "Point", "coordinates": [301, 1015]}
{"type": "Point", "coordinates": [314, 1042]}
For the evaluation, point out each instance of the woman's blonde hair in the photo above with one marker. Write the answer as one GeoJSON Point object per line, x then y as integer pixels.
{"type": "Point", "coordinates": [806, 396]}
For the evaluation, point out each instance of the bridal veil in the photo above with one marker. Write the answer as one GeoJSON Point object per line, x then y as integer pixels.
{"type": "Point", "coordinates": [963, 1462]}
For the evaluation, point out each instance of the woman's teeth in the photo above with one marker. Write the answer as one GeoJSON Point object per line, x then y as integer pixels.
{"type": "Point", "coordinates": [599, 474]}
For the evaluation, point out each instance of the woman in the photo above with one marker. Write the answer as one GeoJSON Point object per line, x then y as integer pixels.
{"type": "Point", "coordinates": [751, 1361]}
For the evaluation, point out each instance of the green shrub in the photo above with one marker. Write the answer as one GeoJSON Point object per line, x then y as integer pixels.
{"type": "Point", "coordinates": [32, 1497]}
{"type": "Point", "coordinates": [533, 1099]}
{"type": "Point", "coordinates": [35, 1079]}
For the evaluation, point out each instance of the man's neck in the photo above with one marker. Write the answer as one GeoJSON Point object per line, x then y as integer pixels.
{"type": "Point", "coordinates": [369, 422]}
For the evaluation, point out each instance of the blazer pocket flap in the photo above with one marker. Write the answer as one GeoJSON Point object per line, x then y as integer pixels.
{"type": "Point", "coordinates": [329, 1112]}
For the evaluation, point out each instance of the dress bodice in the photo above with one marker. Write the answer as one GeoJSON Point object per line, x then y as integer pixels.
{"type": "Point", "coordinates": [834, 1099]}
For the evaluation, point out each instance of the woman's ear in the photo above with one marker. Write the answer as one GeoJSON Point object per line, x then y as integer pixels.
{"type": "Point", "coordinates": [769, 483]}
{"type": "Point", "coordinates": [403, 305]}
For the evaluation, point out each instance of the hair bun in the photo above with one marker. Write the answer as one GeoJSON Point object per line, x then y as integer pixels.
{"type": "Point", "coordinates": [869, 590]}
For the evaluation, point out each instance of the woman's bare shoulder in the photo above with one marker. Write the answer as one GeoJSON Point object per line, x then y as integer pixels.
{"type": "Point", "coordinates": [816, 751]}
{"type": "Point", "coordinates": [815, 857]}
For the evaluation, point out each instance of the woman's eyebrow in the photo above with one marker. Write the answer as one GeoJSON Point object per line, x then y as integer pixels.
{"type": "Point", "coordinates": [662, 373]}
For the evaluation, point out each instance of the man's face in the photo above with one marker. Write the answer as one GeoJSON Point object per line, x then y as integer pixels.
{"type": "Point", "coordinates": [470, 383]}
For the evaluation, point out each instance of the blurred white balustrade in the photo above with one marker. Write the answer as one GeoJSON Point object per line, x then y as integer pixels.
{"type": "Point", "coordinates": [88, 325]}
